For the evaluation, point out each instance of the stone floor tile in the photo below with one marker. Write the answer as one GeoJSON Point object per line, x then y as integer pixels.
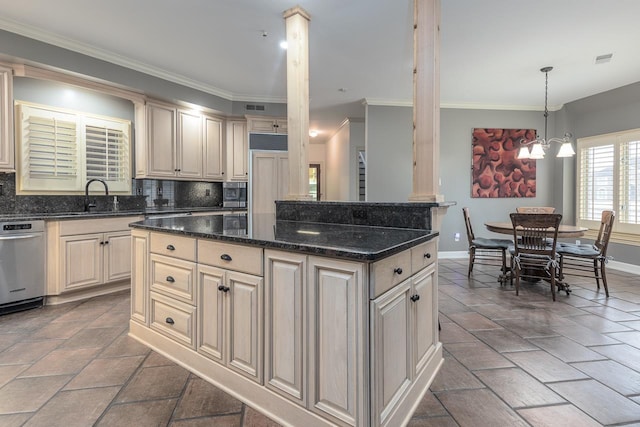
{"type": "Point", "coordinates": [7, 340]}
{"type": "Point", "coordinates": [160, 382]}
{"type": "Point", "coordinates": [429, 406]}
{"type": "Point", "coordinates": [27, 352]}
{"type": "Point", "coordinates": [57, 331]}
{"type": "Point", "coordinates": [62, 361]}
{"type": "Point", "coordinates": [526, 328]}
{"type": "Point", "coordinates": [496, 311]}
{"type": "Point", "coordinates": [100, 337]}
{"type": "Point", "coordinates": [598, 324]}
{"type": "Point", "coordinates": [445, 421]}
{"type": "Point", "coordinates": [451, 333]}
{"type": "Point", "coordinates": [621, 304]}
{"type": "Point", "coordinates": [479, 408]}
{"type": "Point", "coordinates": [502, 340]}
{"type": "Point", "coordinates": [566, 349]}
{"type": "Point", "coordinates": [146, 414]}
{"type": "Point", "coordinates": [612, 314]}
{"type": "Point", "coordinates": [124, 345]}
{"type": "Point", "coordinates": [624, 380]}
{"type": "Point", "coordinates": [544, 367]}
{"type": "Point", "coordinates": [631, 338]}
{"type": "Point", "coordinates": [106, 372]}
{"type": "Point", "coordinates": [472, 321]}
{"type": "Point", "coordinates": [156, 359]}
{"type": "Point", "coordinates": [14, 420]}
{"type": "Point", "coordinates": [29, 394]}
{"type": "Point", "coordinates": [623, 353]}
{"type": "Point", "coordinates": [253, 418]}
{"type": "Point", "coordinates": [83, 313]}
{"type": "Point", "coordinates": [598, 401]}
{"type": "Point", "coordinates": [9, 372]}
{"type": "Point", "coordinates": [634, 324]}
{"type": "Point", "coordinates": [517, 388]}
{"type": "Point", "coordinates": [454, 376]}
{"type": "Point", "coordinates": [234, 420]}
{"type": "Point", "coordinates": [201, 399]}
{"type": "Point", "coordinates": [477, 355]}
{"type": "Point", "coordinates": [77, 408]}
{"type": "Point", "coordinates": [582, 334]}
{"type": "Point", "coordinates": [561, 415]}
{"type": "Point", "coordinates": [111, 319]}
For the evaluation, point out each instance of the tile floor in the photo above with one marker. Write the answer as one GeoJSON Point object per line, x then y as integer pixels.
{"type": "Point", "coordinates": [509, 361]}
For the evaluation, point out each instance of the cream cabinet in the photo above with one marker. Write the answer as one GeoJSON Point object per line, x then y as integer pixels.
{"type": "Point", "coordinates": [7, 162]}
{"type": "Point", "coordinates": [265, 124]}
{"type": "Point", "coordinates": [140, 276]}
{"type": "Point", "coordinates": [230, 319]}
{"type": "Point", "coordinates": [237, 150]}
{"type": "Point", "coordinates": [182, 144]}
{"type": "Point", "coordinates": [88, 255]}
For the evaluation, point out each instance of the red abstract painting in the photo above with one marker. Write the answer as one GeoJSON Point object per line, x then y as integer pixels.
{"type": "Point", "coordinates": [496, 172]}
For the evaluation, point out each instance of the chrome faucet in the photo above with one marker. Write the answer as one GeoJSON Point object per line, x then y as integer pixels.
{"type": "Point", "coordinates": [87, 205]}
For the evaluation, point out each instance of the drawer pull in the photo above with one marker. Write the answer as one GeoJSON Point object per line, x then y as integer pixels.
{"type": "Point", "coordinates": [225, 257]}
{"type": "Point", "coordinates": [171, 248]}
{"type": "Point", "coordinates": [169, 320]}
{"type": "Point", "coordinates": [170, 279]}
{"type": "Point", "coordinates": [397, 270]}
{"type": "Point", "coordinates": [223, 288]}
{"type": "Point", "coordinates": [427, 255]}
{"type": "Point", "coordinates": [415, 297]}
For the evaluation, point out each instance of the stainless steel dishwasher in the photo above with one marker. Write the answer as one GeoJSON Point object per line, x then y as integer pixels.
{"type": "Point", "coordinates": [22, 265]}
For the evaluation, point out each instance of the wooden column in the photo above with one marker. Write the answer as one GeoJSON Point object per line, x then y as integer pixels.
{"type": "Point", "coordinates": [297, 31]}
{"type": "Point", "coordinates": [426, 102]}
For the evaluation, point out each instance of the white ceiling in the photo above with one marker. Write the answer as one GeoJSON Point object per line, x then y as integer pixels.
{"type": "Point", "coordinates": [491, 50]}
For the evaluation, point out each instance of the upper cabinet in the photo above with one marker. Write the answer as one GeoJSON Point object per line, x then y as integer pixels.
{"type": "Point", "coordinates": [264, 124]}
{"type": "Point", "coordinates": [182, 144]}
{"type": "Point", "coordinates": [6, 120]}
{"type": "Point", "coordinates": [237, 150]}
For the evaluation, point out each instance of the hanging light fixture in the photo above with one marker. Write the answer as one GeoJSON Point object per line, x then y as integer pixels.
{"type": "Point", "coordinates": [540, 145]}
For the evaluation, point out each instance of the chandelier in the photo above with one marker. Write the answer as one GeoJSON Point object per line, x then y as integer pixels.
{"type": "Point", "coordinates": [540, 145]}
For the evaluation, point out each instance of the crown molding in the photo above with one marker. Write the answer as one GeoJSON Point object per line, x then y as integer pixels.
{"type": "Point", "coordinates": [459, 106]}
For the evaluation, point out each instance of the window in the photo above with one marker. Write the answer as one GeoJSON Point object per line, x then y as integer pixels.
{"type": "Point", "coordinates": [59, 150]}
{"type": "Point", "coordinates": [608, 178]}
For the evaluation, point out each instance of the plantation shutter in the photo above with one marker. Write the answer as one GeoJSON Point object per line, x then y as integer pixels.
{"type": "Point", "coordinates": [629, 183]}
{"type": "Point", "coordinates": [107, 152]}
{"type": "Point", "coordinates": [596, 181]}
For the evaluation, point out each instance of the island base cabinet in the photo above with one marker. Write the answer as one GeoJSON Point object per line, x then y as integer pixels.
{"type": "Point", "coordinates": [140, 276]}
{"type": "Point", "coordinates": [337, 352]}
{"type": "Point", "coordinates": [230, 319]}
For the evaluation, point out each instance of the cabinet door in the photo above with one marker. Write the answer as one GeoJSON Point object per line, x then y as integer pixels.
{"type": "Point", "coordinates": [283, 175]}
{"type": "Point", "coordinates": [6, 120]}
{"type": "Point", "coordinates": [238, 150]}
{"type": "Point", "coordinates": [391, 359]}
{"type": "Point", "coordinates": [337, 339]}
{"type": "Point", "coordinates": [245, 324]}
{"type": "Point", "coordinates": [262, 125]}
{"type": "Point", "coordinates": [425, 318]}
{"type": "Point", "coordinates": [161, 135]}
{"type": "Point", "coordinates": [281, 125]}
{"type": "Point", "coordinates": [117, 247]}
{"type": "Point", "coordinates": [213, 149]}
{"type": "Point", "coordinates": [211, 302]}
{"type": "Point", "coordinates": [82, 260]}
{"type": "Point", "coordinates": [140, 276]}
{"type": "Point", "coordinates": [285, 324]}
{"type": "Point", "coordinates": [189, 145]}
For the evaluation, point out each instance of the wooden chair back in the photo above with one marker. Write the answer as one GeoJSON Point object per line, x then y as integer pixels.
{"type": "Point", "coordinates": [535, 233]}
{"type": "Point", "coordinates": [536, 209]}
{"type": "Point", "coordinates": [606, 225]}
{"type": "Point", "coordinates": [467, 223]}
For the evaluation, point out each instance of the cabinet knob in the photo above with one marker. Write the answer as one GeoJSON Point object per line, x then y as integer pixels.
{"type": "Point", "coordinates": [415, 297]}
{"type": "Point", "coordinates": [170, 279]}
{"type": "Point", "coordinates": [427, 255]}
{"type": "Point", "coordinates": [106, 242]}
{"type": "Point", "coordinates": [225, 257]}
{"type": "Point", "coordinates": [171, 248]}
{"type": "Point", "coordinates": [169, 320]}
{"type": "Point", "coordinates": [397, 270]}
{"type": "Point", "coordinates": [224, 288]}
{"type": "Point", "coordinates": [102, 243]}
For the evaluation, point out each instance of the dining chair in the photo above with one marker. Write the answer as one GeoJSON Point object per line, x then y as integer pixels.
{"type": "Point", "coordinates": [588, 260]}
{"type": "Point", "coordinates": [533, 254]}
{"type": "Point", "coordinates": [536, 209]}
{"type": "Point", "coordinates": [486, 251]}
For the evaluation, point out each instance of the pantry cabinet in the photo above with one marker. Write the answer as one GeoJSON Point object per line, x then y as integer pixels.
{"type": "Point", "coordinates": [7, 162]}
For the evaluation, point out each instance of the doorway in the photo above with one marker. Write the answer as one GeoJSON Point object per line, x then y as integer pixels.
{"type": "Point", "coordinates": [315, 190]}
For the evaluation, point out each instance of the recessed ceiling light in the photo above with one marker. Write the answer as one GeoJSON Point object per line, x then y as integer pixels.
{"type": "Point", "coordinates": [342, 89]}
{"type": "Point", "coordinates": [284, 44]}
{"type": "Point", "coordinates": [601, 59]}
{"type": "Point", "coordinates": [313, 133]}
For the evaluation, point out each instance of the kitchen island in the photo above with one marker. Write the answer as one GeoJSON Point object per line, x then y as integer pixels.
{"type": "Point", "coordinates": [311, 323]}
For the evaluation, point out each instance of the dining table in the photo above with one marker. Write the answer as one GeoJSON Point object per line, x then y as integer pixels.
{"type": "Point", "coordinates": [564, 231]}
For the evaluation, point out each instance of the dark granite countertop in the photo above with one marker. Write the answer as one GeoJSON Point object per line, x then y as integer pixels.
{"type": "Point", "coordinates": [363, 243]}
{"type": "Point", "coordinates": [105, 214]}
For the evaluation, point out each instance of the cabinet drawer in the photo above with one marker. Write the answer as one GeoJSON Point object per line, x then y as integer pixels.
{"type": "Point", "coordinates": [173, 246]}
{"type": "Point", "coordinates": [173, 277]}
{"type": "Point", "coordinates": [174, 319]}
{"type": "Point", "coordinates": [246, 259]}
{"type": "Point", "coordinates": [390, 271]}
{"type": "Point", "coordinates": [423, 255]}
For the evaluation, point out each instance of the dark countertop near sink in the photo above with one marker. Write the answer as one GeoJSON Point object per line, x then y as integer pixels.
{"type": "Point", "coordinates": [362, 243]}
{"type": "Point", "coordinates": [104, 214]}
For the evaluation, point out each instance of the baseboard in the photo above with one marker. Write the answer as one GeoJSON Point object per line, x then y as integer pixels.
{"type": "Point", "coordinates": [615, 265]}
